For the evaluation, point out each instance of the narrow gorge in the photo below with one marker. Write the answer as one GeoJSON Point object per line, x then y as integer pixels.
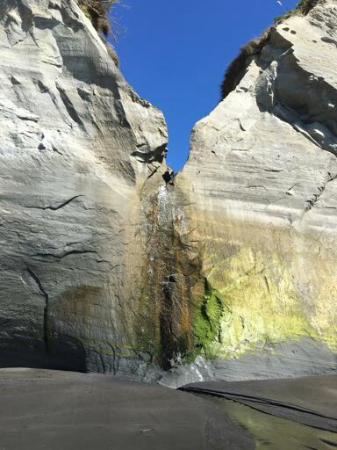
{"type": "Point", "coordinates": [226, 271]}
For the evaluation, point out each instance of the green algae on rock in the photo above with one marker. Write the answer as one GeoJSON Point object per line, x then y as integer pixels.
{"type": "Point", "coordinates": [262, 202]}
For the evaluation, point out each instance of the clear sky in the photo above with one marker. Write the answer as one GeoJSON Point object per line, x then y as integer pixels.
{"type": "Point", "coordinates": [175, 52]}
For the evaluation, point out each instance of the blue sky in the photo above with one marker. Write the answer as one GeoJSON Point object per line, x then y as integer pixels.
{"type": "Point", "coordinates": [174, 53]}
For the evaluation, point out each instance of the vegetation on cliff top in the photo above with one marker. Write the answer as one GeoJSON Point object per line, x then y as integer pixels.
{"type": "Point", "coordinates": [97, 11]}
{"type": "Point", "coordinates": [238, 67]}
{"type": "Point", "coordinates": [305, 6]}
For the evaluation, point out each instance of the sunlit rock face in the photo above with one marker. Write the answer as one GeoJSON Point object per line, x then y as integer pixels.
{"type": "Point", "coordinates": [78, 151]}
{"type": "Point", "coordinates": [228, 271]}
{"type": "Point", "coordinates": [261, 183]}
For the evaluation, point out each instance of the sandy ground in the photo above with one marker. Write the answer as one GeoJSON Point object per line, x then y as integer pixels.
{"type": "Point", "coordinates": [310, 401]}
{"type": "Point", "coordinates": [41, 409]}
{"type": "Point", "coordinates": [55, 410]}
{"type": "Point", "coordinates": [291, 414]}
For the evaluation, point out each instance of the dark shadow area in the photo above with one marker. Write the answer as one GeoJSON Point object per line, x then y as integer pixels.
{"type": "Point", "coordinates": [64, 353]}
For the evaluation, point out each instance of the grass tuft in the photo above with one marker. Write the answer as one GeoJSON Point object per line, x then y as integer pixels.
{"type": "Point", "coordinates": [98, 13]}
{"type": "Point", "coordinates": [238, 67]}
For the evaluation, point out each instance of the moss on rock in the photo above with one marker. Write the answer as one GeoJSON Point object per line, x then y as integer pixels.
{"type": "Point", "coordinates": [207, 321]}
{"type": "Point", "coordinates": [255, 303]}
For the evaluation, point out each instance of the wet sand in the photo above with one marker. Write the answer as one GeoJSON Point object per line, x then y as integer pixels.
{"type": "Point", "coordinates": [291, 414]}
{"type": "Point", "coordinates": [50, 410]}
{"type": "Point", "coordinates": [42, 409]}
{"type": "Point", "coordinates": [311, 401]}
{"type": "Point", "coordinates": [275, 433]}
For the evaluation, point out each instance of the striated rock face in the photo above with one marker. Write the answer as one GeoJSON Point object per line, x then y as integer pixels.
{"type": "Point", "coordinates": [105, 267]}
{"type": "Point", "coordinates": [261, 182]}
{"type": "Point", "coordinates": [78, 148]}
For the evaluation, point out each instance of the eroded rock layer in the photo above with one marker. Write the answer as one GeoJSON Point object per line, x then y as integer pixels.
{"type": "Point", "coordinates": [262, 187]}
{"type": "Point", "coordinates": [78, 150]}
{"type": "Point", "coordinates": [228, 271]}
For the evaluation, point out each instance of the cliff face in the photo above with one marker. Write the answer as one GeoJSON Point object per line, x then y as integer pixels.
{"type": "Point", "coordinates": [261, 181]}
{"type": "Point", "coordinates": [78, 150]}
{"type": "Point", "coordinates": [104, 267]}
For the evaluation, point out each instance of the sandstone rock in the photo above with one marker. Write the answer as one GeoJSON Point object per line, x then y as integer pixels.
{"type": "Point", "coordinates": [261, 184]}
{"type": "Point", "coordinates": [226, 272]}
{"type": "Point", "coordinates": [77, 147]}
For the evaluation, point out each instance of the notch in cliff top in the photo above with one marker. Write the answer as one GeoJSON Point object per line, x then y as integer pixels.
{"type": "Point", "coordinates": [238, 67]}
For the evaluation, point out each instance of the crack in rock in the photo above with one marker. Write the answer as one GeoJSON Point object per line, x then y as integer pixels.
{"type": "Point", "coordinates": [59, 206]}
{"type": "Point", "coordinates": [65, 254]}
{"type": "Point", "coordinates": [45, 295]}
{"type": "Point", "coordinates": [312, 202]}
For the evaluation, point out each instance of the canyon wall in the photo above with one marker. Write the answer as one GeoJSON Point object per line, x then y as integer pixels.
{"type": "Point", "coordinates": [261, 182]}
{"type": "Point", "coordinates": [226, 272]}
{"type": "Point", "coordinates": [79, 149]}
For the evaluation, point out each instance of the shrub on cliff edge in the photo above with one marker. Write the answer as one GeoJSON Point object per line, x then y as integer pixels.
{"type": "Point", "coordinates": [97, 11]}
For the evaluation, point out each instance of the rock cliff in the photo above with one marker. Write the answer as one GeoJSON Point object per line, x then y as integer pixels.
{"type": "Point", "coordinates": [261, 185]}
{"type": "Point", "coordinates": [79, 149]}
{"type": "Point", "coordinates": [105, 267]}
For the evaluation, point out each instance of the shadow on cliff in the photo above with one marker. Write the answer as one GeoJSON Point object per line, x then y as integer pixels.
{"type": "Point", "coordinates": [65, 353]}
